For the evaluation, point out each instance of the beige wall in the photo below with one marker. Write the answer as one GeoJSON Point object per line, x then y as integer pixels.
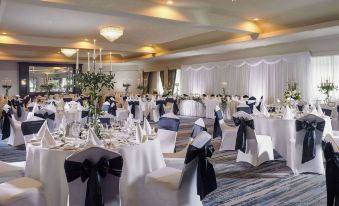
{"type": "Point", "coordinates": [9, 70]}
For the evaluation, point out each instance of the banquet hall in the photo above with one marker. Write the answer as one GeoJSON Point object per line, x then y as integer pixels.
{"type": "Point", "coordinates": [169, 102]}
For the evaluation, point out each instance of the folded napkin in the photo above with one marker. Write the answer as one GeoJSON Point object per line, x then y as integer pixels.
{"type": "Point", "coordinates": [147, 127]}
{"type": "Point", "coordinates": [314, 110]}
{"type": "Point", "coordinates": [47, 140]}
{"type": "Point", "coordinates": [92, 139]}
{"type": "Point", "coordinates": [140, 137]}
{"type": "Point", "coordinates": [264, 110]}
{"type": "Point", "coordinates": [41, 131]}
{"type": "Point", "coordinates": [320, 111]}
{"type": "Point", "coordinates": [306, 109]}
{"type": "Point", "coordinates": [288, 113]}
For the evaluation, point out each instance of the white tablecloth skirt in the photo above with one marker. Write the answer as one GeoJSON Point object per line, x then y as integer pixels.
{"type": "Point", "coordinates": [191, 108]}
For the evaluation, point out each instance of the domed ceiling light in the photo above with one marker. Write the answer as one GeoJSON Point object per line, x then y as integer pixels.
{"type": "Point", "coordinates": [112, 33]}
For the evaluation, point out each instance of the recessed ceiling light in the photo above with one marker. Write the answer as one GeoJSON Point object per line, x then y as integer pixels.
{"type": "Point", "coordinates": [4, 33]}
{"type": "Point", "coordinates": [170, 2]}
{"type": "Point", "coordinates": [234, 0]}
{"type": "Point", "coordinates": [255, 19]}
{"type": "Point", "coordinates": [85, 39]}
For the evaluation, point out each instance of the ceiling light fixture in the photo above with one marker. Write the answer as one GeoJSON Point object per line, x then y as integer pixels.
{"type": "Point", "coordinates": [112, 33]}
{"type": "Point", "coordinates": [68, 52]}
{"type": "Point", "coordinates": [255, 19]}
{"type": "Point", "coordinates": [169, 2]}
{"type": "Point", "coordinates": [4, 33]}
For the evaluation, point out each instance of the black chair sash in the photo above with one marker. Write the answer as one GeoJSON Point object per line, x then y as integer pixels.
{"type": "Point", "coordinates": [300, 108]}
{"type": "Point", "coordinates": [217, 129]}
{"type": "Point", "coordinates": [104, 120]}
{"type": "Point", "coordinates": [175, 105]}
{"type": "Point", "coordinates": [112, 109]}
{"type": "Point", "coordinates": [105, 108]}
{"type": "Point", "coordinates": [240, 143]}
{"type": "Point", "coordinates": [45, 115]}
{"type": "Point", "coordinates": [244, 109]}
{"type": "Point", "coordinates": [338, 108]}
{"type": "Point", "coordinates": [94, 173]}
{"type": "Point", "coordinates": [80, 101]}
{"type": "Point", "coordinates": [259, 105]}
{"type": "Point", "coordinates": [161, 107]}
{"type": "Point", "coordinates": [18, 105]}
{"type": "Point", "coordinates": [332, 174]}
{"type": "Point", "coordinates": [6, 127]}
{"type": "Point", "coordinates": [169, 124]}
{"type": "Point", "coordinates": [31, 127]}
{"type": "Point", "coordinates": [197, 129]}
{"type": "Point", "coordinates": [206, 178]}
{"type": "Point", "coordinates": [124, 98]}
{"type": "Point", "coordinates": [309, 143]}
{"type": "Point", "coordinates": [133, 104]}
{"type": "Point", "coordinates": [84, 113]}
{"type": "Point", "coordinates": [67, 99]}
{"type": "Point", "coordinates": [30, 109]}
{"type": "Point", "coordinates": [327, 112]}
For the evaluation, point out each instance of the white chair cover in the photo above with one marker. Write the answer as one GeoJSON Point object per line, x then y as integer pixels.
{"type": "Point", "coordinates": [16, 138]}
{"type": "Point", "coordinates": [168, 126]}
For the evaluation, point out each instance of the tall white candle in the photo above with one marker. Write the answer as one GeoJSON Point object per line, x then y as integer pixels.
{"type": "Point", "coordinates": [110, 61]}
{"type": "Point", "coordinates": [100, 58]}
{"type": "Point", "coordinates": [77, 62]}
{"type": "Point", "coordinates": [94, 57]}
{"type": "Point", "coordinates": [88, 63]}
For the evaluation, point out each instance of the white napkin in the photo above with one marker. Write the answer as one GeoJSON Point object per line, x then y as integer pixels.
{"type": "Point", "coordinates": [140, 134]}
{"type": "Point", "coordinates": [306, 109]}
{"type": "Point", "coordinates": [288, 113]}
{"type": "Point", "coordinates": [314, 110]}
{"type": "Point", "coordinates": [147, 127]}
{"type": "Point", "coordinates": [92, 139]}
{"type": "Point", "coordinates": [256, 112]}
{"type": "Point", "coordinates": [35, 107]}
{"type": "Point", "coordinates": [264, 110]}
{"type": "Point", "coordinates": [320, 111]}
{"type": "Point", "coordinates": [47, 140]}
{"type": "Point", "coordinates": [41, 131]}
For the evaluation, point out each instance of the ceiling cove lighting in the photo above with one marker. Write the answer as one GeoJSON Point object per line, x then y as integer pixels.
{"type": "Point", "coordinates": [169, 2]}
{"type": "Point", "coordinates": [112, 33]}
{"type": "Point", "coordinates": [68, 52]}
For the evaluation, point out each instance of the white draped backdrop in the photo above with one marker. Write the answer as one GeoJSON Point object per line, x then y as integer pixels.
{"type": "Point", "coordinates": [264, 76]}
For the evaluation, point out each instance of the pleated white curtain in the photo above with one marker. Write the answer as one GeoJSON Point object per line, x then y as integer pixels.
{"type": "Point", "coordinates": [324, 68]}
{"type": "Point", "coordinates": [265, 76]}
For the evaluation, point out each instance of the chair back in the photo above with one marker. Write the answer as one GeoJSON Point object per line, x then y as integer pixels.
{"type": "Point", "coordinates": [109, 184]}
{"type": "Point", "coordinates": [244, 108]}
{"type": "Point", "coordinates": [168, 127]}
{"type": "Point", "coordinates": [250, 133]}
{"type": "Point", "coordinates": [327, 112]}
{"type": "Point", "coordinates": [198, 127]}
{"type": "Point", "coordinates": [30, 127]}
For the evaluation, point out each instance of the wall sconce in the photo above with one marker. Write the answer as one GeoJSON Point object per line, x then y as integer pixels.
{"type": "Point", "coordinates": [23, 82]}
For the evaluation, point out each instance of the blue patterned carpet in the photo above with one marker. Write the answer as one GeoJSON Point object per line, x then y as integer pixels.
{"type": "Point", "coordinates": [270, 184]}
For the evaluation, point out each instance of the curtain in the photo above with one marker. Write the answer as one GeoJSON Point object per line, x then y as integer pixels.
{"type": "Point", "coordinates": [264, 76]}
{"type": "Point", "coordinates": [171, 78]}
{"type": "Point", "coordinates": [148, 77]}
{"type": "Point", "coordinates": [159, 84]}
{"type": "Point", "coordinates": [162, 78]}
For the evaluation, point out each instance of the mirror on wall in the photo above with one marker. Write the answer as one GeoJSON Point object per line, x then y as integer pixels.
{"type": "Point", "coordinates": [59, 78]}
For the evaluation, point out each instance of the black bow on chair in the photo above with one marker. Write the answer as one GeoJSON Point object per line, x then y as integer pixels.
{"type": "Point", "coordinates": [206, 179]}
{"type": "Point", "coordinates": [243, 123]}
{"type": "Point", "coordinates": [133, 104]}
{"type": "Point", "coordinates": [332, 173]}
{"type": "Point", "coordinates": [45, 115]}
{"type": "Point", "coordinates": [309, 143]}
{"type": "Point", "coordinates": [161, 107]}
{"type": "Point", "coordinates": [31, 127]}
{"type": "Point", "coordinates": [94, 173]}
{"type": "Point", "coordinates": [217, 129]}
{"type": "Point", "coordinates": [112, 109]}
{"type": "Point", "coordinates": [6, 127]}
{"type": "Point", "coordinates": [18, 105]}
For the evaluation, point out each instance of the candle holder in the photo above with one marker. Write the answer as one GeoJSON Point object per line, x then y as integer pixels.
{"type": "Point", "coordinates": [7, 85]}
{"type": "Point", "coordinates": [126, 85]}
{"type": "Point", "coordinates": [327, 87]}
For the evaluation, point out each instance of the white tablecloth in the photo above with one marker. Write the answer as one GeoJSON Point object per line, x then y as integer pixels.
{"type": "Point", "coordinates": [191, 108]}
{"type": "Point", "coordinates": [47, 166]}
{"type": "Point", "coordinates": [282, 131]}
{"type": "Point", "coordinates": [210, 107]}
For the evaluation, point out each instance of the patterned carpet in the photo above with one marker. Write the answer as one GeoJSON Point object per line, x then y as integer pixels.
{"type": "Point", "coordinates": [270, 184]}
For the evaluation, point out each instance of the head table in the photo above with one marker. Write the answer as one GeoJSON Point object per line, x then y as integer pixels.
{"type": "Point", "coordinates": [47, 164]}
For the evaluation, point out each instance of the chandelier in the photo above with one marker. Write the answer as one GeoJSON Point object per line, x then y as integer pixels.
{"type": "Point", "coordinates": [112, 33]}
{"type": "Point", "coordinates": [68, 52]}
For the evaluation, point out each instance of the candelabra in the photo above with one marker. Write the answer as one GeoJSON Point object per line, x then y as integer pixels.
{"type": "Point", "coordinates": [7, 85]}
{"type": "Point", "coordinates": [326, 87]}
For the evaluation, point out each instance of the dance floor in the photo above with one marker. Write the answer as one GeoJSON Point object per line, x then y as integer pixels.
{"type": "Point", "coordinates": [272, 183]}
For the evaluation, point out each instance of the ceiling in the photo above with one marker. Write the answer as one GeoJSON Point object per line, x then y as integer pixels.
{"type": "Point", "coordinates": [36, 30]}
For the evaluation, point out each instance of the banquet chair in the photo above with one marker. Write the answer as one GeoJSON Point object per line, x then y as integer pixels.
{"type": "Point", "coordinates": [331, 155]}
{"type": "Point", "coordinates": [252, 148]}
{"type": "Point", "coordinates": [16, 137]}
{"type": "Point", "coordinates": [135, 109]}
{"type": "Point", "coordinates": [10, 171]}
{"type": "Point", "coordinates": [174, 187]}
{"type": "Point", "coordinates": [168, 127]}
{"type": "Point", "coordinates": [104, 170]}
{"type": "Point", "coordinates": [302, 156]}
{"type": "Point", "coordinates": [22, 191]}
{"type": "Point", "coordinates": [177, 159]}
{"type": "Point", "coordinates": [31, 127]}
{"type": "Point", "coordinates": [122, 114]}
{"type": "Point", "coordinates": [327, 112]}
{"type": "Point", "coordinates": [48, 115]}
{"type": "Point", "coordinates": [158, 110]}
{"type": "Point", "coordinates": [105, 106]}
{"type": "Point", "coordinates": [251, 103]}
{"type": "Point", "coordinates": [228, 134]}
